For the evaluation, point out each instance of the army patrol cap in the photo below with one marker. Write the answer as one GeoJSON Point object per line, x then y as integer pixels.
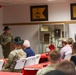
{"type": "Point", "coordinates": [6, 28]}
{"type": "Point", "coordinates": [18, 40]}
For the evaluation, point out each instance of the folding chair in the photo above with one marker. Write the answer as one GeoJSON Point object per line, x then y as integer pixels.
{"type": "Point", "coordinates": [1, 64]}
{"type": "Point", "coordinates": [20, 63]}
{"type": "Point", "coordinates": [37, 58]}
{"type": "Point", "coordinates": [30, 61]}
{"type": "Point", "coordinates": [67, 55]}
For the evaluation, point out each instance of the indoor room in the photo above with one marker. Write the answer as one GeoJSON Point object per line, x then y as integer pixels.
{"type": "Point", "coordinates": [45, 24]}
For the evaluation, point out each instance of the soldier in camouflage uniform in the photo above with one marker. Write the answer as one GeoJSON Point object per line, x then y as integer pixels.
{"type": "Point", "coordinates": [14, 55]}
{"type": "Point", "coordinates": [4, 39]}
{"type": "Point", "coordinates": [54, 58]}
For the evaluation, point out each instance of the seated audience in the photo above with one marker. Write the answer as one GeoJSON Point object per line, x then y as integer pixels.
{"type": "Point", "coordinates": [66, 48]}
{"type": "Point", "coordinates": [70, 42]}
{"type": "Point", "coordinates": [14, 55]}
{"type": "Point", "coordinates": [73, 56]}
{"type": "Point", "coordinates": [55, 72]}
{"type": "Point", "coordinates": [54, 58]}
{"type": "Point", "coordinates": [27, 48]}
{"type": "Point", "coordinates": [68, 54]}
{"type": "Point", "coordinates": [67, 67]}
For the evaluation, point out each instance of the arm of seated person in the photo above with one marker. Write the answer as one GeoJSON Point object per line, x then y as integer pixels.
{"type": "Point", "coordinates": [8, 62]}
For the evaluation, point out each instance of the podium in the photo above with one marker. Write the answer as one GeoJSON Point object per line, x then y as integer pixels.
{"type": "Point", "coordinates": [9, 48]}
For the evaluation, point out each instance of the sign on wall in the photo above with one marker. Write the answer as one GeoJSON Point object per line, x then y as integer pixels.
{"type": "Point", "coordinates": [39, 13]}
{"type": "Point", "coordinates": [73, 11]}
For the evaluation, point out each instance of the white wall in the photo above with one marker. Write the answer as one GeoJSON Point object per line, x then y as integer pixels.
{"type": "Point", "coordinates": [21, 14]}
{"type": "Point", "coordinates": [72, 31]}
{"type": "Point", "coordinates": [27, 33]}
{"type": "Point", "coordinates": [59, 12]}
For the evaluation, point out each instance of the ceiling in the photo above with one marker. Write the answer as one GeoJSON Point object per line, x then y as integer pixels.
{"type": "Point", "coordinates": [6, 2]}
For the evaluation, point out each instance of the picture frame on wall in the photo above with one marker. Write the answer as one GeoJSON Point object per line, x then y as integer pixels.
{"type": "Point", "coordinates": [73, 11]}
{"type": "Point", "coordinates": [57, 32]}
{"type": "Point", "coordinates": [39, 13]}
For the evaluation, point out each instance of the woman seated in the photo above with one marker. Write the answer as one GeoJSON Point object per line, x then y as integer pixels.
{"type": "Point", "coordinates": [73, 57]}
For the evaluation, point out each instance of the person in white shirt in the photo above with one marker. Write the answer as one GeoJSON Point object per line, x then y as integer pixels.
{"type": "Point", "coordinates": [66, 48]}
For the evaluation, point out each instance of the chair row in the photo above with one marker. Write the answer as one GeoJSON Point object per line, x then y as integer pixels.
{"type": "Point", "coordinates": [24, 62]}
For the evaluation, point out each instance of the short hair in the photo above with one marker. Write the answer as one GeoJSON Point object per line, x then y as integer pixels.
{"type": "Point", "coordinates": [54, 55]}
{"type": "Point", "coordinates": [74, 48]}
{"type": "Point", "coordinates": [26, 43]}
{"type": "Point", "coordinates": [70, 41]}
{"type": "Point", "coordinates": [67, 67]}
{"type": "Point", "coordinates": [64, 41]}
{"type": "Point", "coordinates": [54, 72]}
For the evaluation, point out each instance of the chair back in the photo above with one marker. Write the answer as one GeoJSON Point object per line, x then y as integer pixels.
{"type": "Point", "coordinates": [30, 61]}
{"type": "Point", "coordinates": [1, 64]}
{"type": "Point", "coordinates": [37, 58]}
{"type": "Point", "coordinates": [20, 63]}
{"type": "Point", "coordinates": [67, 55]}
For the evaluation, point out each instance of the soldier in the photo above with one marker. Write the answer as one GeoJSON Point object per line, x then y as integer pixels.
{"type": "Point", "coordinates": [54, 59]}
{"type": "Point", "coordinates": [4, 39]}
{"type": "Point", "coordinates": [14, 55]}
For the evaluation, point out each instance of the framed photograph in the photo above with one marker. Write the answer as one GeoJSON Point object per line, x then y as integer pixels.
{"type": "Point", "coordinates": [73, 11]}
{"type": "Point", "coordinates": [57, 32]}
{"type": "Point", "coordinates": [39, 13]}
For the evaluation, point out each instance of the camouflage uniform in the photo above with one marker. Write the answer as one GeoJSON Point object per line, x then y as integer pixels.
{"type": "Point", "coordinates": [11, 60]}
{"type": "Point", "coordinates": [4, 39]}
{"type": "Point", "coordinates": [46, 69]}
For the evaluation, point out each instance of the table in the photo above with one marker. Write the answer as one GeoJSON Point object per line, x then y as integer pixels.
{"type": "Point", "coordinates": [3, 60]}
{"type": "Point", "coordinates": [28, 70]}
{"type": "Point", "coordinates": [44, 55]}
{"type": "Point", "coordinates": [43, 58]}
{"type": "Point", "coordinates": [9, 73]}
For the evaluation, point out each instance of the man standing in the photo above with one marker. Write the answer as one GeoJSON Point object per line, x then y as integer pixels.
{"type": "Point", "coordinates": [5, 37]}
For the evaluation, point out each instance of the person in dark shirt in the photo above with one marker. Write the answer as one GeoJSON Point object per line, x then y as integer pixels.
{"type": "Point", "coordinates": [27, 48]}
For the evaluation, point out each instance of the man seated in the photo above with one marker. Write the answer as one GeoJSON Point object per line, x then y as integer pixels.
{"type": "Point", "coordinates": [27, 48]}
{"type": "Point", "coordinates": [67, 67]}
{"type": "Point", "coordinates": [14, 55]}
{"type": "Point", "coordinates": [66, 48]}
{"type": "Point", "coordinates": [54, 58]}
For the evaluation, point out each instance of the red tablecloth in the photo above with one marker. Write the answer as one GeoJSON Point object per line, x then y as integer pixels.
{"type": "Point", "coordinates": [34, 68]}
{"type": "Point", "coordinates": [9, 73]}
{"type": "Point", "coordinates": [43, 58]}
{"type": "Point", "coordinates": [44, 55]}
